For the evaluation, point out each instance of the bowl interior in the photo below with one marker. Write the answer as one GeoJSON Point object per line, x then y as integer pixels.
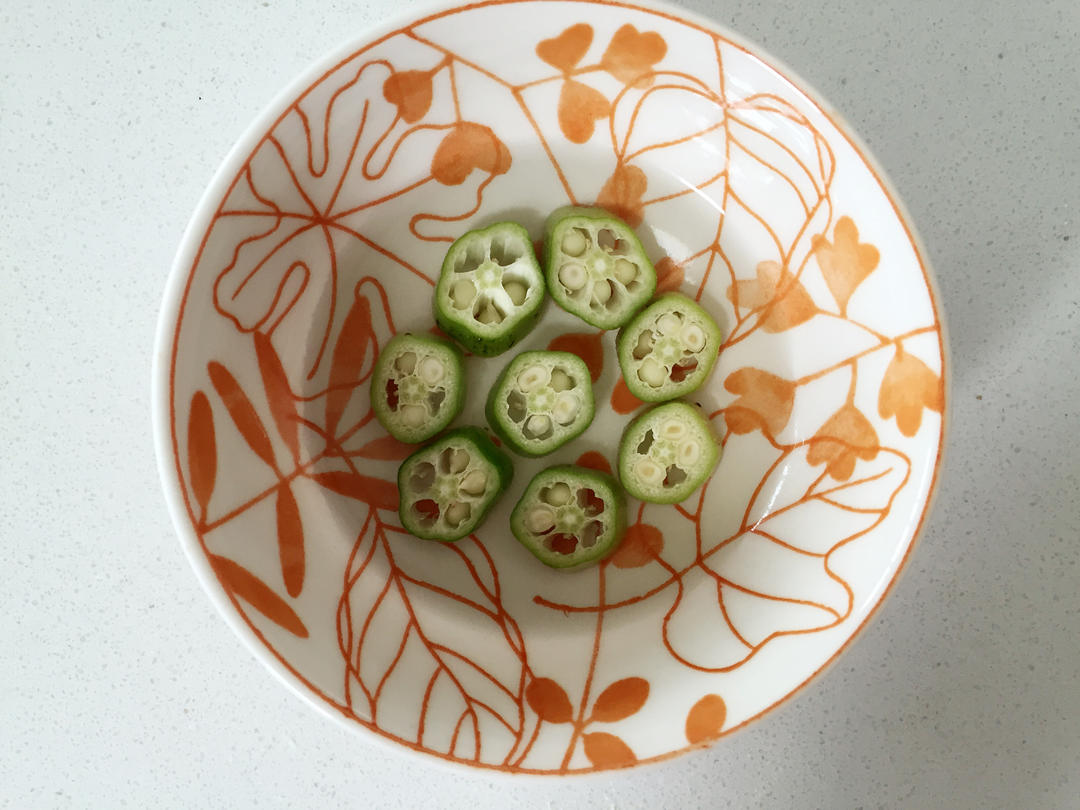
{"type": "Point", "coordinates": [325, 242]}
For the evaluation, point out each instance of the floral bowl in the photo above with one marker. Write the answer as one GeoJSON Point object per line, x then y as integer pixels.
{"type": "Point", "coordinates": [320, 238]}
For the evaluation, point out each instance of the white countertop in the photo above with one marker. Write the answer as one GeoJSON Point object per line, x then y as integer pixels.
{"type": "Point", "coordinates": [121, 687]}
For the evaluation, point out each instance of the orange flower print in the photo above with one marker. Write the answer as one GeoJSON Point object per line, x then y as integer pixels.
{"type": "Point", "coordinates": [568, 48]}
{"type": "Point", "coordinates": [844, 438]}
{"type": "Point", "coordinates": [908, 387]}
{"type": "Point", "coordinates": [765, 401]}
{"type": "Point", "coordinates": [669, 275]}
{"type": "Point", "coordinates": [466, 147]}
{"type": "Point", "coordinates": [844, 262]}
{"type": "Point", "coordinates": [787, 302]}
{"type": "Point", "coordinates": [410, 92]}
{"type": "Point", "coordinates": [622, 193]}
{"type": "Point", "coordinates": [580, 106]}
{"type": "Point", "coordinates": [631, 54]}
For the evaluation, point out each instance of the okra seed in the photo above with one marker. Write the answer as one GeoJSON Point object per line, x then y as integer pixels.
{"type": "Point", "coordinates": [459, 460]}
{"type": "Point", "coordinates": [517, 291]}
{"type": "Point", "coordinates": [561, 381]}
{"type": "Point", "coordinates": [556, 495]}
{"type": "Point", "coordinates": [673, 430]}
{"type": "Point", "coordinates": [649, 472]}
{"type": "Point", "coordinates": [669, 324]}
{"type": "Point", "coordinates": [431, 370]}
{"type": "Point", "coordinates": [566, 408]}
{"type": "Point", "coordinates": [413, 415]}
{"type": "Point", "coordinates": [625, 271]}
{"type": "Point", "coordinates": [693, 337]}
{"type": "Point", "coordinates": [406, 363]}
{"type": "Point", "coordinates": [532, 378]}
{"type": "Point", "coordinates": [463, 293]}
{"type": "Point", "coordinates": [474, 483]}
{"type": "Point", "coordinates": [652, 373]}
{"type": "Point", "coordinates": [572, 276]}
{"type": "Point", "coordinates": [540, 519]}
{"type": "Point", "coordinates": [457, 512]}
{"type": "Point", "coordinates": [515, 406]}
{"type": "Point", "coordinates": [602, 291]}
{"type": "Point", "coordinates": [537, 425]}
{"type": "Point", "coordinates": [487, 314]}
{"type": "Point", "coordinates": [574, 243]}
{"type": "Point", "coordinates": [689, 453]}
{"type": "Point", "coordinates": [606, 239]}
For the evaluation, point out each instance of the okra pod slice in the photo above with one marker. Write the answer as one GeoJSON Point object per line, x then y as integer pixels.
{"type": "Point", "coordinates": [490, 290]}
{"type": "Point", "coordinates": [448, 487]}
{"type": "Point", "coordinates": [667, 453]}
{"type": "Point", "coordinates": [596, 267]}
{"type": "Point", "coordinates": [569, 517]}
{"type": "Point", "coordinates": [417, 387]}
{"type": "Point", "coordinates": [668, 349]}
{"type": "Point", "coordinates": [541, 401]}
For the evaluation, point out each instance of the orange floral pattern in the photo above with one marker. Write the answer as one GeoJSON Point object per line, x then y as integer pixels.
{"type": "Point", "coordinates": [326, 244]}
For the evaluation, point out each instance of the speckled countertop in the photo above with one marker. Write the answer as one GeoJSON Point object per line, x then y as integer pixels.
{"type": "Point", "coordinates": [121, 687]}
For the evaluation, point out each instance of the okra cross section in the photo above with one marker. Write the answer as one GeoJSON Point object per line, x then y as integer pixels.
{"type": "Point", "coordinates": [417, 387]}
{"type": "Point", "coordinates": [447, 488]}
{"type": "Point", "coordinates": [490, 290]}
{"type": "Point", "coordinates": [668, 349]}
{"type": "Point", "coordinates": [541, 401]}
{"type": "Point", "coordinates": [569, 517]}
{"type": "Point", "coordinates": [667, 453]}
{"type": "Point", "coordinates": [596, 267]}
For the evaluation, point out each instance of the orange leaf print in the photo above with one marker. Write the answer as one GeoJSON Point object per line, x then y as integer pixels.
{"type": "Point", "coordinates": [607, 751]}
{"type": "Point", "coordinates": [242, 412]}
{"type": "Point", "coordinates": [669, 276]}
{"type": "Point", "coordinates": [243, 584]}
{"type": "Point", "coordinates": [630, 56]}
{"type": "Point", "coordinates": [566, 50]}
{"type": "Point", "coordinates": [784, 299]}
{"type": "Point", "coordinates": [410, 92]}
{"type": "Point", "coordinates": [908, 387]}
{"type": "Point", "coordinates": [844, 262]}
{"type": "Point", "coordinates": [579, 108]}
{"type": "Point", "coordinates": [348, 358]}
{"type": "Point", "coordinates": [640, 546]}
{"type": "Point", "coordinates": [202, 450]}
{"type": "Point", "coordinates": [622, 401]}
{"type": "Point", "coordinates": [622, 193]}
{"type": "Point", "coordinates": [380, 494]}
{"type": "Point", "coordinates": [290, 541]}
{"type": "Point", "coordinates": [466, 147]}
{"type": "Point", "coordinates": [587, 346]}
{"type": "Point", "coordinates": [385, 449]}
{"type": "Point", "coordinates": [620, 700]}
{"type": "Point", "coordinates": [765, 401]}
{"type": "Point", "coordinates": [594, 461]}
{"type": "Point", "coordinates": [278, 394]}
{"type": "Point", "coordinates": [844, 438]}
{"type": "Point", "coordinates": [705, 719]}
{"type": "Point", "coordinates": [549, 701]}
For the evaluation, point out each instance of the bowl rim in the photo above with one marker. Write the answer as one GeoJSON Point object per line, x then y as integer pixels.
{"type": "Point", "coordinates": [177, 286]}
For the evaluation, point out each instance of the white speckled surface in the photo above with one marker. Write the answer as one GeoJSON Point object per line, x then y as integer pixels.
{"type": "Point", "coordinates": [120, 686]}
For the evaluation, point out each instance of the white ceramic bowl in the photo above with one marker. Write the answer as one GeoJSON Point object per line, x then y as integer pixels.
{"type": "Point", "coordinates": [320, 237]}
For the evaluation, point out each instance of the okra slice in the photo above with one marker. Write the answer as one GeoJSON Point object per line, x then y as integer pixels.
{"type": "Point", "coordinates": [569, 516]}
{"type": "Point", "coordinates": [596, 267]}
{"type": "Point", "coordinates": [541, 401]}
{"type": "Point", "coordinates": [667, 453]}
{"type": "Point", "coordinates": [418, 386]}
{"type": "Point", "coordinates": [668, 349]}
{"type": "Point", "coordinates": [447, 488]}
{"type": "Point", "coordinates": [490, 290]}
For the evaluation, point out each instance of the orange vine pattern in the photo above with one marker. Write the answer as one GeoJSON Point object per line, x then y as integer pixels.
{"type": "Point", "coordinates": [459, 677]}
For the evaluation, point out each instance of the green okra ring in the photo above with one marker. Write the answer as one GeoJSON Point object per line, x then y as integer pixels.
{"type": "Point", "coordinates": [417, 387]}
{"type": "Point", "coordinates": [447, 488]}
{"type": "Point", "coordinates": [490, 290]}
{"type": "Point", "coordinates": [541, 401]}
{"type": "Point", "coordinates": [596, 267]}
{"type": "Point", "coordinates": [667, 453]}
{"type": "Point", "coordinates": [570, 517]}
{"type": "Point", "coordinates": [668, 349]}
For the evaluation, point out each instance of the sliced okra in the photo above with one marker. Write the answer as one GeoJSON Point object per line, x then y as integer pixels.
{"type": "Point", "coordinates": [596, 267]}
{"type": "Point", "coordinates": [668, 349]}
{"type": "Point", "coordinates": [541, 401]}
{"type": "Point", "coordinates": [667, 453]}
{"type": "Point", "coordinates": [490, 290]}
{"type": "Point", "coordinates": [418, 386]}
{"type": "Point", "coordinates": [447, 488]}
{"type": "Point", "coordinates": [570, 516]}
